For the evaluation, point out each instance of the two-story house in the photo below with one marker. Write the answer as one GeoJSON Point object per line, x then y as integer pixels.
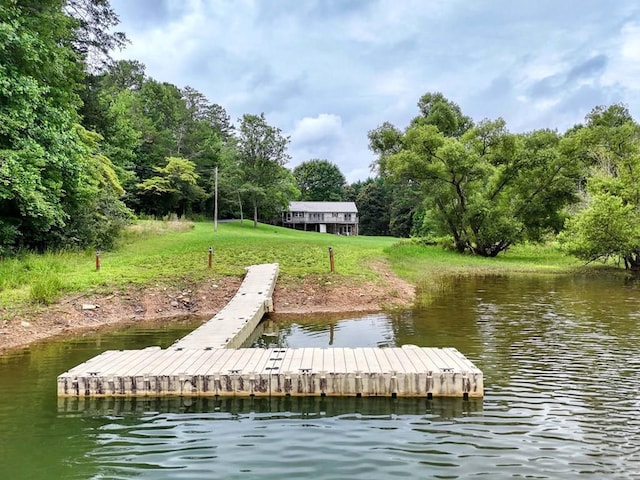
{"type": "Point", "coordinates": [340, 218]}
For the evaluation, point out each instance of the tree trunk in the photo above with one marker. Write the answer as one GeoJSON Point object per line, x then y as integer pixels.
{"type": "Point", "coordinates": [632, 262]}
{"type": "Point", "coordinates": [255, 215]}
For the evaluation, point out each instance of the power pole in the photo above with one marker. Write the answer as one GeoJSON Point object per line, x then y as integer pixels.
{"type": "Point", "coordinates": [215, 202]}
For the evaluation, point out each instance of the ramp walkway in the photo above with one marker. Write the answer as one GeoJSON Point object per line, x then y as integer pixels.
{"type": "Point", "coordinates": [207, 363]}
{"type": "Point", "coordinates": [232, 325]}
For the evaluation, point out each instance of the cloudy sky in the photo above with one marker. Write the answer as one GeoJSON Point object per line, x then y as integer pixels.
{"type": "Point", "coordinates": [327, 71]}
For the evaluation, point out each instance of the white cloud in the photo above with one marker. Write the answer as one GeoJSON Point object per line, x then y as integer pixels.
{"type": "Point", "coordinates": [624, 68]}
{"type": "Point", "coordinates": [317, 129]}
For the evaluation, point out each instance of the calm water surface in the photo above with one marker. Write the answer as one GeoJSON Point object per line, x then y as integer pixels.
{"type": "Point", "coordinates": [561, 365]}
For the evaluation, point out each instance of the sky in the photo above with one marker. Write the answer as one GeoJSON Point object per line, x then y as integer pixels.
{"type": "Point", "coordinates": [326, 72]}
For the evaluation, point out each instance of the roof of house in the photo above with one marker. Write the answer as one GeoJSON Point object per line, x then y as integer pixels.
{"type": "Point", "coordinates": [323, 207]}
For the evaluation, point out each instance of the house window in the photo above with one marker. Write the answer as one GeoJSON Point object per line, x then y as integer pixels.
{"type": "Point", "coordinates": [298, 214]}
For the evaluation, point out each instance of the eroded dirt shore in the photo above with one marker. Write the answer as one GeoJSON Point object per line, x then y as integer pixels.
{"type": "Point", "coordinates": [91, 312]}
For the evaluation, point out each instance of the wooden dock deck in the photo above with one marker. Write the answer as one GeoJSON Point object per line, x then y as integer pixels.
{"type": "Point", "coordinates": [407, 371]}
{"type": "Point", "coordinates": [207, 363]}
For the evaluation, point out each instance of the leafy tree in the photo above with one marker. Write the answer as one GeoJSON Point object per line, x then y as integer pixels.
{"type": "Point", "coordinates": [111, 107]}
{"type": "Point", "coordinates": [483, 187]}
{"type": "Point", "coordinates": [39, 75]}
{"type": "Point", "coordinates": [373, 201]}
{"type": "Point", "coordinates": [320, 181]}
{"type": "Point", "coordinates": [608, 228]}
{"type": "Point", "coordinates": [405, 203]}
{"type": "Point", "coordinates": [204, 135]}
{"type": "Point", "coordinates": [609, 224]}
{"type": "Point", "coordinates": [262, 154]}
{"type": "Point", "coordinates": [384, 141]}
{"type": "Point", "coordinates": [95, 38]}
{"type": "Point", "coordinates": [436, 110]}
{"type": "Point", "coordinates": [96, 214]}
{"type": "Point", "coordinates": [175, 189]}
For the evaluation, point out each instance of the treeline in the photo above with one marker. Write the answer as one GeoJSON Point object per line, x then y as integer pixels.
{"type": "Point", "coordinates": [477, 188]}
{"type": "Point", "coordinates": [86, 144]}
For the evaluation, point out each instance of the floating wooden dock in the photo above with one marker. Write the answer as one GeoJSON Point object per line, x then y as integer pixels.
{"type": "Point", "coordinates": [408, 371]}
{"type": "Point", "coordinates": [206, 363]}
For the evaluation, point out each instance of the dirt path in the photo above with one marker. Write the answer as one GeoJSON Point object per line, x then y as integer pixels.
{"type": "Point", "coordinates": [76, 314]}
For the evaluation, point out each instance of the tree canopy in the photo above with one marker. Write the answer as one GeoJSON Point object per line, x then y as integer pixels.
{"type": "Point", "coordinates": [320, 180]}
{"type": "Point", "coordinates": [609, 224]}
{"type": "Point", "coordinates": [482, 188]}
{"type": "Point", "coordinates": [43, 151]}
{"type": "Point", "coordinates": [262, 154]}
{"type": "Point", "coordinates": [86, 143]}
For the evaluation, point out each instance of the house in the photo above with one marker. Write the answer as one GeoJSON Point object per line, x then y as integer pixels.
{"type": "Point", "coordinates": [340, 218]}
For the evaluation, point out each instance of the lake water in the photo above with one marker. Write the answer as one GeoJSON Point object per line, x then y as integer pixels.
{"type": "Point", "coordinates": [561, 366]}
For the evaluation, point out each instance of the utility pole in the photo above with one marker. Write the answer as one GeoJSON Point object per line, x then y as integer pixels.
{"type": "Point", "coordinates": [215, 202]}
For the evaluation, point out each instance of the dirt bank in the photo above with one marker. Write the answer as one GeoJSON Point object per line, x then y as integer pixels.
{"type": "Point", "coordinates": [74, 314]}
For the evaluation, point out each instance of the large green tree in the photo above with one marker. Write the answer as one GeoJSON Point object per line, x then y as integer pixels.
{"type": "Point", "coordinates": [608, 225]}
{"type": "Point", "coordinates": [262, 155]}
{"type": "Point", "coordinates": [42, 153]}
{"type": "Point", "coordinates": [174, 188]}
{"type": "Point", "coordinates": [95, 37]}
{"type": "Point", "coordinates": [483, 188]}
{"type": "Point", "coordinates": [320, 180]}
{"type": "Point", "coordinates": [373, 200]}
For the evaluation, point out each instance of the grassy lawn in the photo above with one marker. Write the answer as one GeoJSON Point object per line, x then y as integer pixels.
{"type": "Point", "coordinates": [169, 252]}
{"type": "Point", "coordinates": [418, 263]}
{"type": "Point", "coordinates": [164, 252]}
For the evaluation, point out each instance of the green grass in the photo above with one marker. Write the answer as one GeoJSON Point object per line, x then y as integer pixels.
{"type": "Point", "coordinates": [168, 252]}
{"type": "Point", "coordinates": [417, 262]}
{"type": "Point", "coordinates": [153, 253]}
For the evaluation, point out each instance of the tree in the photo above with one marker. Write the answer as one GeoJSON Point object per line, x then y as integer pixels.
{"type": "Point", "coordinates": [384, 141]}
{"type": "Point", "coordinates": [94, 36]}
{"type": "Point", "coordinates": [373, 201]}
{"type": "Point", "coordinates": [320, 181]}
{"type": "Point", "coordinates": [262, 154]}
{"type": "Point", "coordinates": [608, 226]}
{"type": "Point", "coordinates": [112, 108]}
{"type": "Point", "coordinates": [483, 188]}
{"type": "Point", "coordinates": [40, 75]}
{"type": "Point", "coordinates": [96, 213]}
{"type": "Point", "coordinates": [436, 110]}
{"type": "Point", "coordinates": [175, 189]}
{"type": "Point", "coordinates": [203, 135]}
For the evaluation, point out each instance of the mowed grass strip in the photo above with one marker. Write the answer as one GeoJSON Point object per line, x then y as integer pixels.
{"type": "Point", "coordinates": [418, 263]}
{"type": "Point", "coordinates": [158, 252]}
{"type": "Point", "coordinates": [155, 252]}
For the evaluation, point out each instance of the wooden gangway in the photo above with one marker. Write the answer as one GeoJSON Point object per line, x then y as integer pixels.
{"type": "Point", "coordinates": [232, 325]}
{"type": "Point", "coordinates": [206, 363]}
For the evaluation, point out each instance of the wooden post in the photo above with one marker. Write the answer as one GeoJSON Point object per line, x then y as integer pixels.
{"type": "Point", "coordinates": [210, 256]}
{"type": "Point", "coordinates": [97, 260]}
{"type": "Point", "coordinates": [331, 260]}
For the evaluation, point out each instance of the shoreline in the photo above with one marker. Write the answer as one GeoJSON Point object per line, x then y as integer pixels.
{"type": "Point", "coordinates": [80, 313]}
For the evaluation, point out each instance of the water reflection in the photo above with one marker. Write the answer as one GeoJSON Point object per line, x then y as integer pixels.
{"type": "Point", "coordinates": [442, 408]}
{"type": "Point", "coordinates": [372, 330]}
